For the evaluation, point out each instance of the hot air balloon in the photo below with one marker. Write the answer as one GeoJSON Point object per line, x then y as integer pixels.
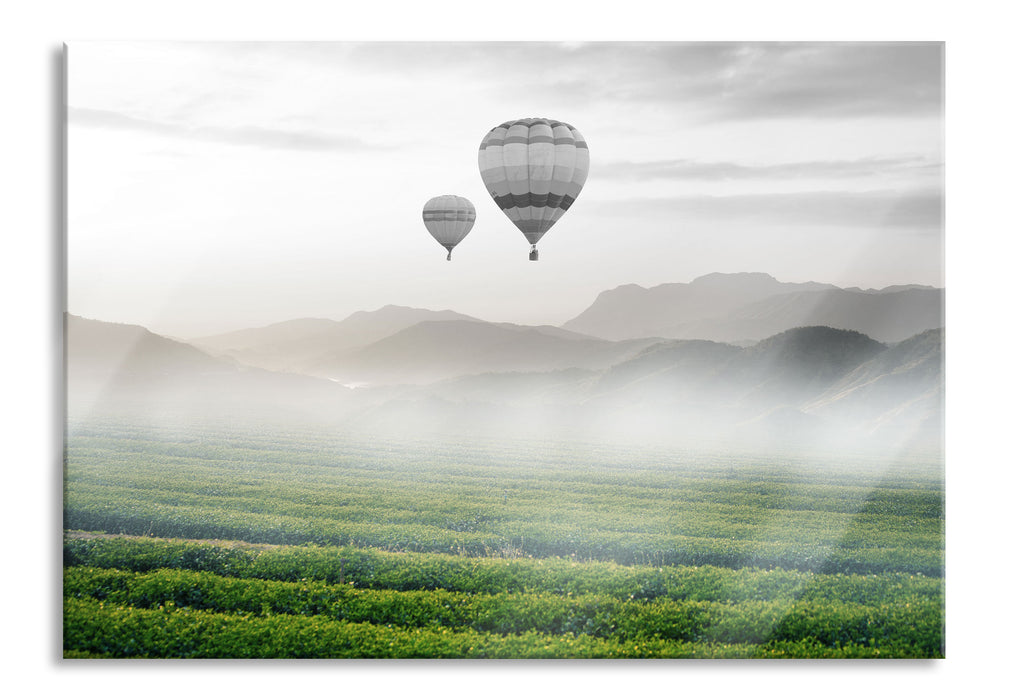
{"type": "Point", "coordinates": [534, 169]}
{"type": "Point", "coordinates": [449, 218]}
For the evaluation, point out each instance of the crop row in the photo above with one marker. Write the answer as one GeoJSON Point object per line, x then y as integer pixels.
{"type": "Point", "coordinates": [848, 553]}
{"type": "Point", "coordinates": [97, 629]}
{"type": "Point", "coordinates": [462, 508]}
{"type": "Point", "coordinates": [403, 571]}
{"type": "Point", "coordinates": [914, 625]}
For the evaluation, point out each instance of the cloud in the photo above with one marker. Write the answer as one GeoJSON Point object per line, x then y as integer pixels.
{"type": "Point", "coordinates": [706, 81]}
{"type": "Point", "coordinates": [686, 169]}
{"type": "Point", "coordinates": [260, 137]}
{"type": "Point", "coordinates": [793, 80]}
{"type": "Point", "coordinates": [920, 210]}
{"type": "Point", "coordinates": [714, 80]}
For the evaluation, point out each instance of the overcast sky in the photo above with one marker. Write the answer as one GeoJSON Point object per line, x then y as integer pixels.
{"type": "Point", "coordinates": [219, 186]}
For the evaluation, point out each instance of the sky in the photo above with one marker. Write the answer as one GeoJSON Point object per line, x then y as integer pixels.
{"type": "Point", "coordinates": [218, 186]}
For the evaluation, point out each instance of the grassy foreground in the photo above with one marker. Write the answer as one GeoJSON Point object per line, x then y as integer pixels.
{"type": "Point", "coordinates": [144, 597]}
{"type": "Point", "coordinates": [340, 548]}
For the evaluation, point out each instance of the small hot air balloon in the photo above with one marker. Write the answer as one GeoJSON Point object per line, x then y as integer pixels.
{"type": "Point", "coordinates": [449, 218]}
{"type": "Point", "coordinates": [534, 170]}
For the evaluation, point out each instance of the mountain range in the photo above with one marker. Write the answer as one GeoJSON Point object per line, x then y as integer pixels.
{"type": "Point", "coordinates": [746, 307]}
{"type": "Point", "coordinates": [415, 369]}
{"type": "Point", "coordinates": [810, 382]}
{"type": "Point", "coordinates": [299, 344]}
{"type": "Point", "coordinates": [740, 308]}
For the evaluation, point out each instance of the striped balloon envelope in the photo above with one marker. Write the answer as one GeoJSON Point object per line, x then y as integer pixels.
{"type": "Point", "coordinates": [534, 170]}
{"type": "Point", "coordinates": [449, 218]}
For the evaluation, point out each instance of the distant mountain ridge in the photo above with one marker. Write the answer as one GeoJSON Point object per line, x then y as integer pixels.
{"type": "Point", "coordinates": [788, 368]}
{"type": "Point", "coordinates": [398, 344]}
{"type": "Point", "coordinates": [724, 356]}
{"type": "Point", "coordinates": [122, 365]}
{"type": "Point", "coordinates": [805, 383]}
{"type": "Point", "coordinates": [812, 383]}
{"type": "Point", "coordinates": [739, 308]}
{"type": "Point", "coordinates": [433, 350]}
{"type": "Point", "coordinates": [293, 345]}
{"type": "Point", "coordinates": [747, 307]}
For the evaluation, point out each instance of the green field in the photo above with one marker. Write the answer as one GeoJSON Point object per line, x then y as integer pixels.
{"type": "Point", "coordinates": [226, 541]}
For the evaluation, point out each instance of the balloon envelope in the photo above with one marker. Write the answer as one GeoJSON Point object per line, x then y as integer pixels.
{"type": "Point", "coordinates": [534, 170]}
{"type": "Point", "coordinates": [449, 218]}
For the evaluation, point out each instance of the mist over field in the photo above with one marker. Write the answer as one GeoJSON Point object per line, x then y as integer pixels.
{"type": "Point", "coordinates": [405, 371]}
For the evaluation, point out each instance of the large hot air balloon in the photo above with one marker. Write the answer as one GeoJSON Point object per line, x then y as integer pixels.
{"type": "Point", "coordinates": [449, 218]}
{"type": "Point", "coordinates": [534, 169]}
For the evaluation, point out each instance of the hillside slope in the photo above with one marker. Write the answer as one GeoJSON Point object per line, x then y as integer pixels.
{"type": "Point", "coordinates": [120, 366]}
{"type": "Point", "coordinates": [300, 343]}
{"type": "Point", "coordinates": [899, 394]}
